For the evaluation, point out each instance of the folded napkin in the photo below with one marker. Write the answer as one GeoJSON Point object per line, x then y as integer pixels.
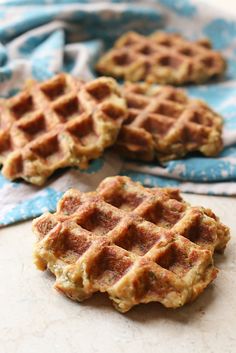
{"type": "Point", "coordinates": [40, 38]}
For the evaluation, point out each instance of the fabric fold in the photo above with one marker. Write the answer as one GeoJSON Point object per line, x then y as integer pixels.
{"type": "Point", "coordinates": [40, 38]}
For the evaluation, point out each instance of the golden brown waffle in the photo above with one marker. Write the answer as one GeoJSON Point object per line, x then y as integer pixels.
{"type": "Point", "coordinates": [60, 122]}
{"type": "Point", "coordinates": [164, 58]}
{"type": "Point", "coordinates": [164, 123]}
{"type": "Point", "coordinates": [135, 243]}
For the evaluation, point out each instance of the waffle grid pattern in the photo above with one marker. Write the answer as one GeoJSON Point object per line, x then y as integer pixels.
{"type": "Point", "coordinates": [164, 58]}
{"type": "Point", "coordinates": [164, 123]}
{"type": "Point", "coordinates": [131, 242]}
{"type": "Point", "coordinates": [58, 123]}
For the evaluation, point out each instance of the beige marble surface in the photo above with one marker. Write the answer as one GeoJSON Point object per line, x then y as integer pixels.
{"type": "Point", "coordinates": [35, 318]}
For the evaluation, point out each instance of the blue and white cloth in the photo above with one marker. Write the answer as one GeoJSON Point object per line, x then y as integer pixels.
{"type": "Point", "coordinates": [39, 38]}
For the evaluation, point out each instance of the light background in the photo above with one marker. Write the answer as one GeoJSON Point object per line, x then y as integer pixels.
{"type": "Point", "coordinates": [34, 318]}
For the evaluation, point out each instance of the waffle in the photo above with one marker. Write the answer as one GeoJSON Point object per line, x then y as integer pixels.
{"type": "Point", "coordinates": [165, 58]}
{"type": "Point", "coordinates": [164, 123]}
{"type": "Point", "coordinates": [60, 122]}
{"type": "Point", "coordinates": [134, 243]}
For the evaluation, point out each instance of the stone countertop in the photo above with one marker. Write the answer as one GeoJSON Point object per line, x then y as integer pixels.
{"type": "Point", "coordinates": [35, 318]}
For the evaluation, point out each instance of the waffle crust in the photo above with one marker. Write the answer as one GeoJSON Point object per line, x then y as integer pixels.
{"type": "Point", "coordinates": [165, 58]}
{"type": "Point", "coordinates": [164, 124]}
{"type": "Point", "coordinates": [134, 243]}
{"type": "Point", "coordinates": [58, 123]}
